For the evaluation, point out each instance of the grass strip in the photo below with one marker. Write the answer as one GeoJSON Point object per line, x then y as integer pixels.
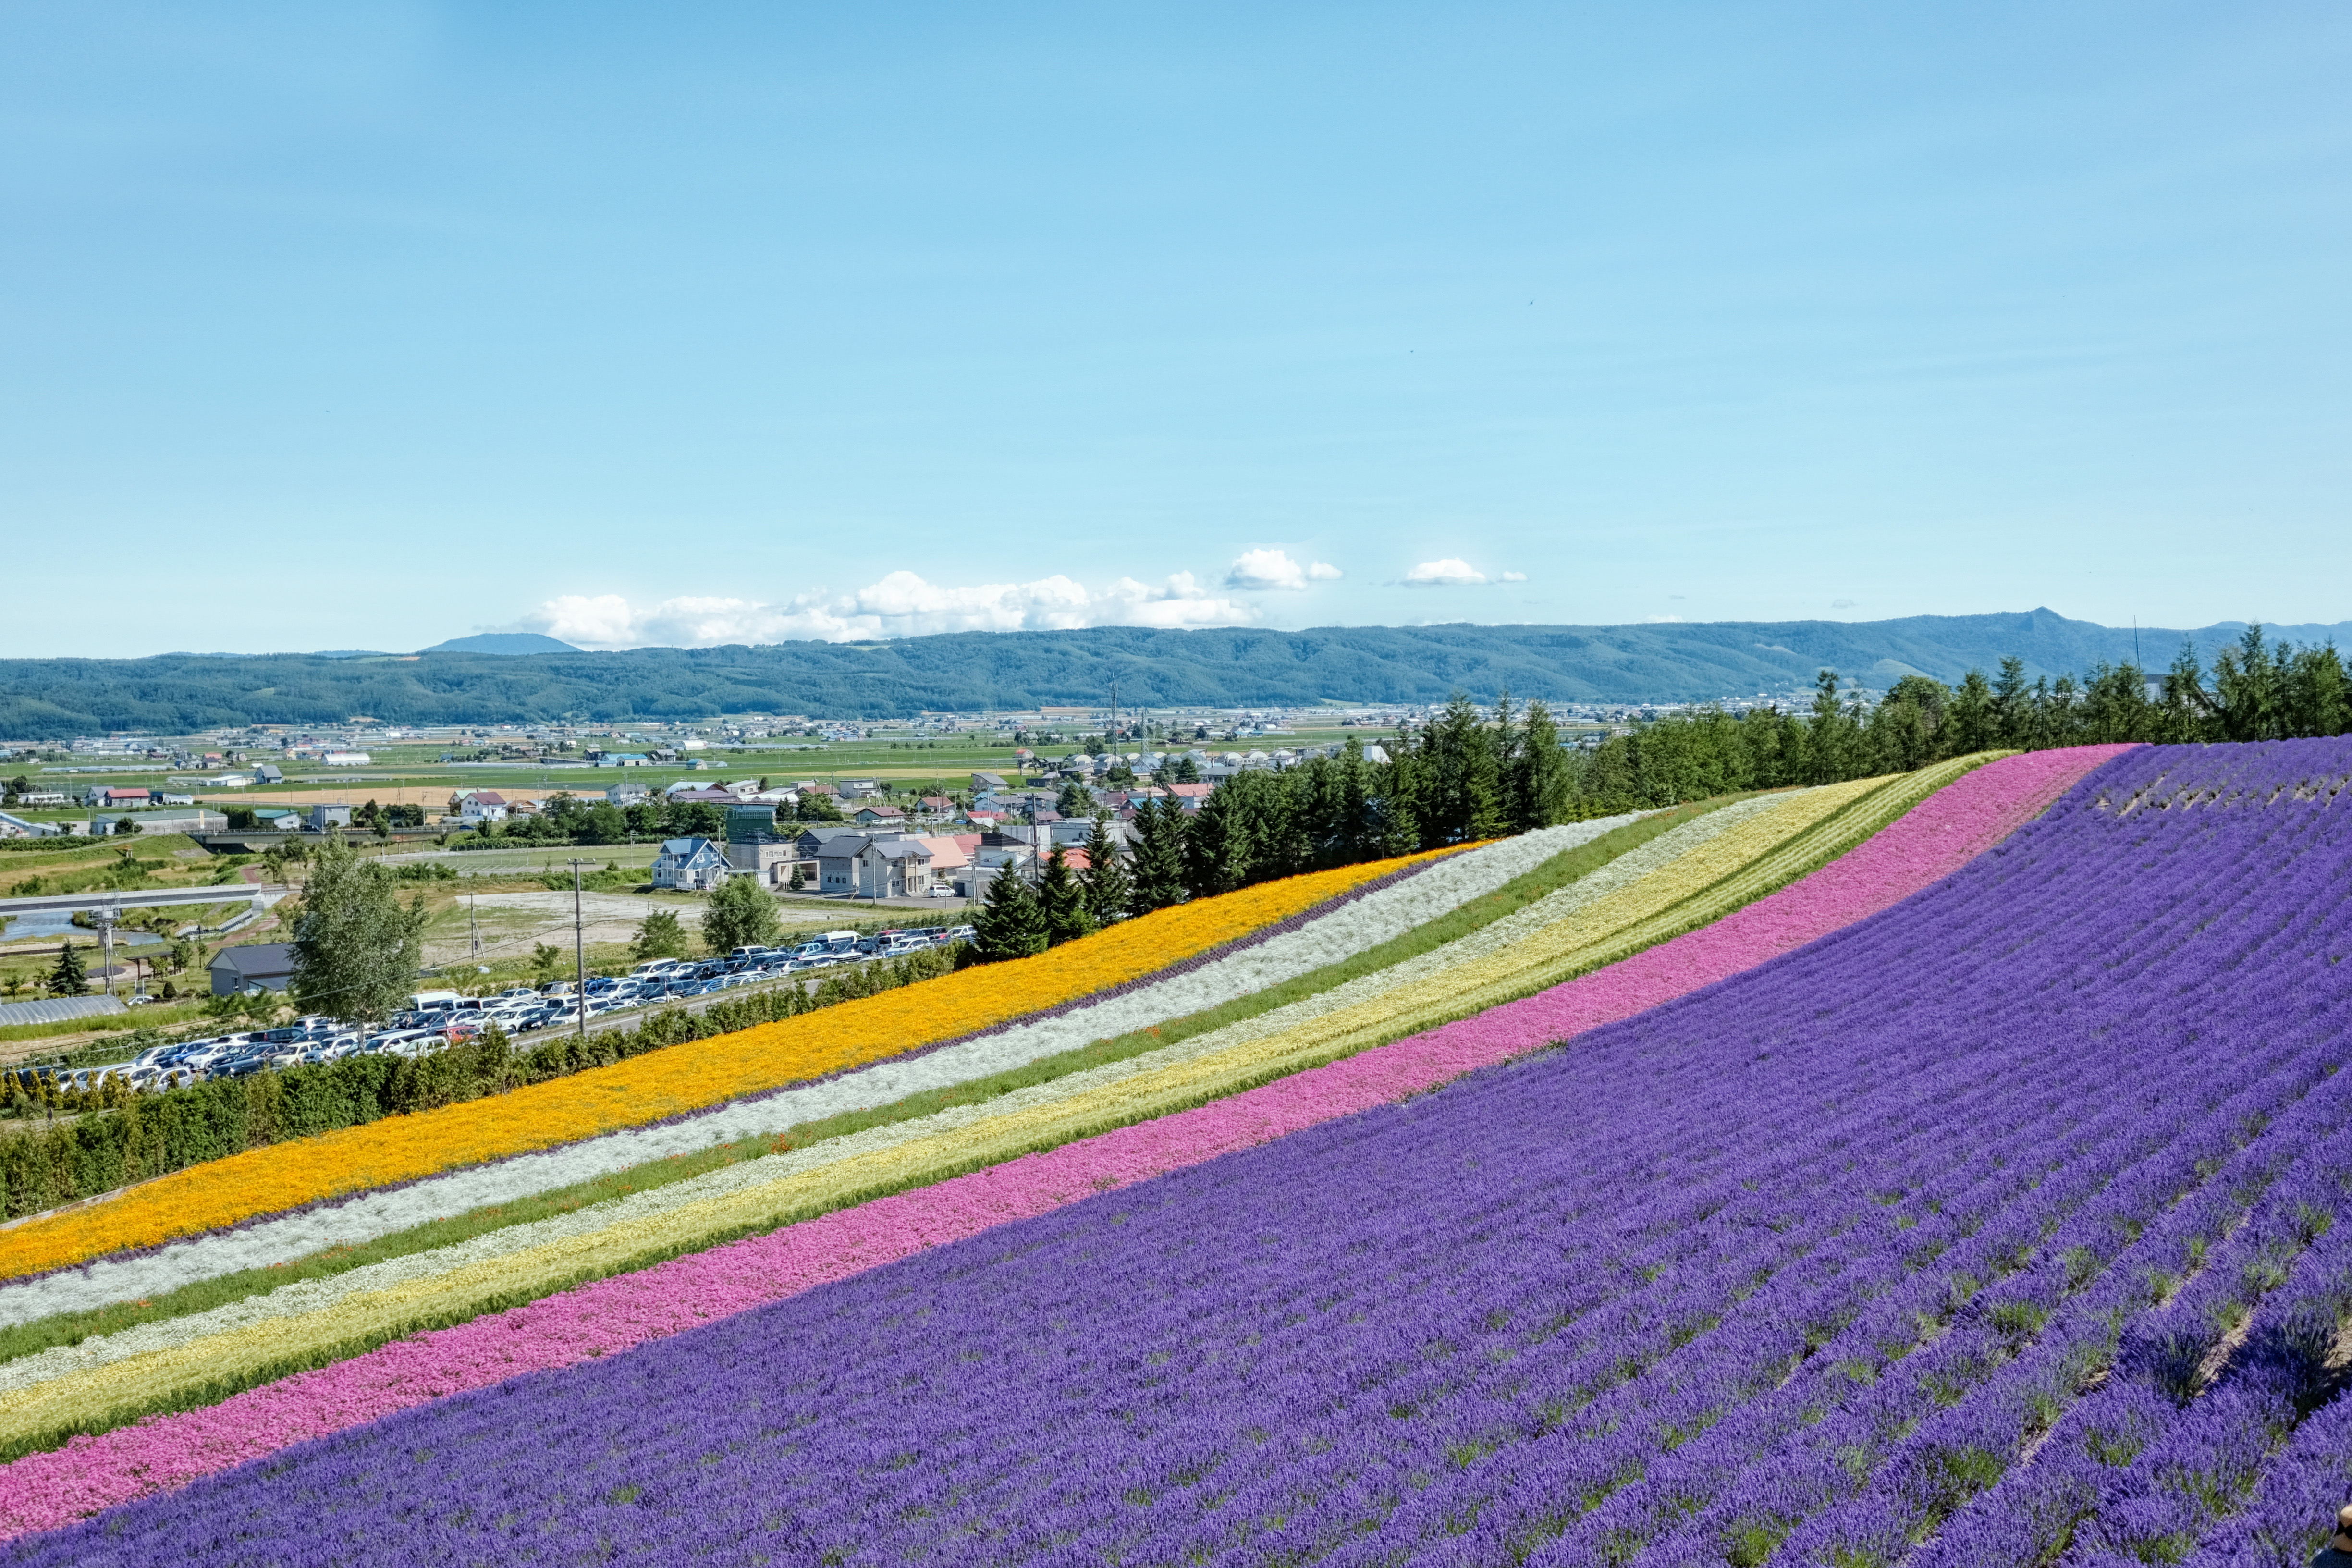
{"type": "Point", "coordinates": [1570, 866]}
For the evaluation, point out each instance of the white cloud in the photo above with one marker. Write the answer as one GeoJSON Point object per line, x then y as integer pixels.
{"type": "Point", "coordinates": [1275, 569]}
{"type": "Point", "coordinates": [901, 604]}
{"type": "Point", "coordinates": [1515, 576]}
{"type": "Point", "coordinates": [1451, 573]}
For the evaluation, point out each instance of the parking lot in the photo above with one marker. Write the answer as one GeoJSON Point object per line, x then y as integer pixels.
{"type": "Point", "coordinates": [439, 1019]}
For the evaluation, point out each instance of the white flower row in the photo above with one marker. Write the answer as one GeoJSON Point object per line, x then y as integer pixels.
{"type": "Point", "coordinates": [1353, 928]}
{"type": "Point", "coordinates": [310, 1296]}
{"type": "Point", "coordinates": [1553, 908]}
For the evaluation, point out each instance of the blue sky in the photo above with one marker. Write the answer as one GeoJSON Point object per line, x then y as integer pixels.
{"type": "Point", "coordinates": [365, 326]}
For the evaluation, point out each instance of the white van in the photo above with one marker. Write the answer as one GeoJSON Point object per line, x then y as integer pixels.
{"type": "Point", "coordinates": [433, 1001]}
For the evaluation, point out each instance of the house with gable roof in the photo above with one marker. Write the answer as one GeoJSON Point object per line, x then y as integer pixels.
{"type": "Point", "coordinates": [691, 865]}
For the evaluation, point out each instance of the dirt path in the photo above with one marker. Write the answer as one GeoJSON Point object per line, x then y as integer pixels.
{"type": "Point", "coordinates": [511, 923]}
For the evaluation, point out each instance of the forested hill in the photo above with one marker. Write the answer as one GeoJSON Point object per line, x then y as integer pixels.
{"type": "Point", "coordinates": [180, 693]}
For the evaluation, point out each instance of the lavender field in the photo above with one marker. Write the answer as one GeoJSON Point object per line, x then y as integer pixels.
{"type": "Point", "coordinates": [2001, 1229]}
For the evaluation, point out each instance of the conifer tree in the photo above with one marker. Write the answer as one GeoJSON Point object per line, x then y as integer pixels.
{"type": "Point", "coordinates": [1108, 885]}
{"type": "Point", "coordinates": [1217, 845]}
{"type": "Point", "coordinates": [1062, 900]}
{"type": "Point", "coordinates": [2012, 705]}
{"type": "Point", "coordinates": [1161, 831]}
{"type": "Point", "coordinates": [1968, 721]}
{"type": "Point", "coordinates": [1011, 924]}
{"type": "Point", "coordinates": [69, 978]}
{"type": "Point", "coordinates": [1461, 780]}
{"type": "Point", "coordinates": [1833, 737]}
{"type": "Point", "coordinates": [1538, 793]}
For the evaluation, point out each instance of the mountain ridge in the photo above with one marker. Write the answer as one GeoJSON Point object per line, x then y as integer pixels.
{"type": "Point", "coordinates": [1671, 662]}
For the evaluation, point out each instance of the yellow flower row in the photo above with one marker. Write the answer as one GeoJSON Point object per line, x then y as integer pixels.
{"type": "Point", "coordinates": [1721, 874]}
{"type": "Point", "coordinates": [660, 1084]}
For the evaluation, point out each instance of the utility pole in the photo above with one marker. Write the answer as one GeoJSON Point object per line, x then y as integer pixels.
{"type": "Point", "coordinates": [474, 924]}
{"type": "Point", "coordinates": [579, 956]}
{"type": "Point", "coordinates": [105, 918]}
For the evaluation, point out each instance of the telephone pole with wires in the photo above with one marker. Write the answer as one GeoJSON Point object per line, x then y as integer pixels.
{"type": "Point", "coordinates": [579, 956]}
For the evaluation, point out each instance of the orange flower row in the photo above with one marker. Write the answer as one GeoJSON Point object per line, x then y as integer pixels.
{"type": "Point", "coordinates": [662, 1083]}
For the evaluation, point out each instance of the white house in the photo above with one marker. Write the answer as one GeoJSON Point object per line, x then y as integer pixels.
{"type": "Point", "coordinates": [691, 865]}
{"type": "Point", "coordinates": [479, 806]}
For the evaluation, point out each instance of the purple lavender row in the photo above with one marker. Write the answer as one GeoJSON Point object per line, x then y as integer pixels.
{"type": "Point", "coordinates": [1777, 1459]}
{"type": "Point", "coordinates": [2109, 1482]}
{"type": "Point", "coordinates": [2286, 1517]}
{"type": "Point", "coordinates": [1880, 1525]}
{"type": "Point", "coordinates": [1928, 1287]}
{"type": "Point", "coordinates": [1294, 1347]}
{"type": "Point", "coordinates": [2203, 1453]}
{"type": "Point", "coordinates": [1957, 1452]}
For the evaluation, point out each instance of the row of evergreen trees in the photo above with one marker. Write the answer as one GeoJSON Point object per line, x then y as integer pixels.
{"type": "Point", "coordinates": [1462, 777]}
{"type": "Point", "coordinates": [2257, 690]}
{"type": "Point", "coordinates": [1459, 778]}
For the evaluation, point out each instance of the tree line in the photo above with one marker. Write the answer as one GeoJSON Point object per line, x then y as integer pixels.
{"type": "Point", "coordinates": [2257, 690]}
{"type": "Point", "coordinates": [1459, 778]}
{"type": "Point", "coordinates": [1462, 777]}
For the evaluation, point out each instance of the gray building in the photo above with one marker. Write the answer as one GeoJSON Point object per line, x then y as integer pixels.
{"type": "Point", "coordinates": [325, 817]}
{"type": "Point", "coordinates": [268, 964]}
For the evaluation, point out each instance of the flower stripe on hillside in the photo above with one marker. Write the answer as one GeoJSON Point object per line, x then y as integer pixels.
{"type": "Point", "coordinates": [1334, 930]}
{"type": "Point", "coordinates": [1300, 1101]}
{"type": "Point", "coordinates": [657, 1085]}
{"type": "Point", "coordinates": [311, 1296]}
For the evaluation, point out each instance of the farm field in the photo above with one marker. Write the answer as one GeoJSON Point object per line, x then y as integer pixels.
{"type": "Point", "coordinates": [1938, 1169]}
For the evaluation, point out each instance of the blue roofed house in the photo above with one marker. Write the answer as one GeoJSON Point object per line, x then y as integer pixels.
{"type": "Point", "coordinates": [691, 865]}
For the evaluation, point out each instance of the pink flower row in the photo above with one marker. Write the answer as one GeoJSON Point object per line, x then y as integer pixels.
{"type": "Point", "coordinates": [42, 1491]}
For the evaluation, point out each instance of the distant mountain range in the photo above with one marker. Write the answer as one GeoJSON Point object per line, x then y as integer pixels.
{"type": "Point", "coordinates": [506, 645]}
{"type": "Point", "coordinates": [501, 678]}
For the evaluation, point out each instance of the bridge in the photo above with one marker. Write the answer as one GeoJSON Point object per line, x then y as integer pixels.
{"type": "Point", "coordinates": [100, 900]}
